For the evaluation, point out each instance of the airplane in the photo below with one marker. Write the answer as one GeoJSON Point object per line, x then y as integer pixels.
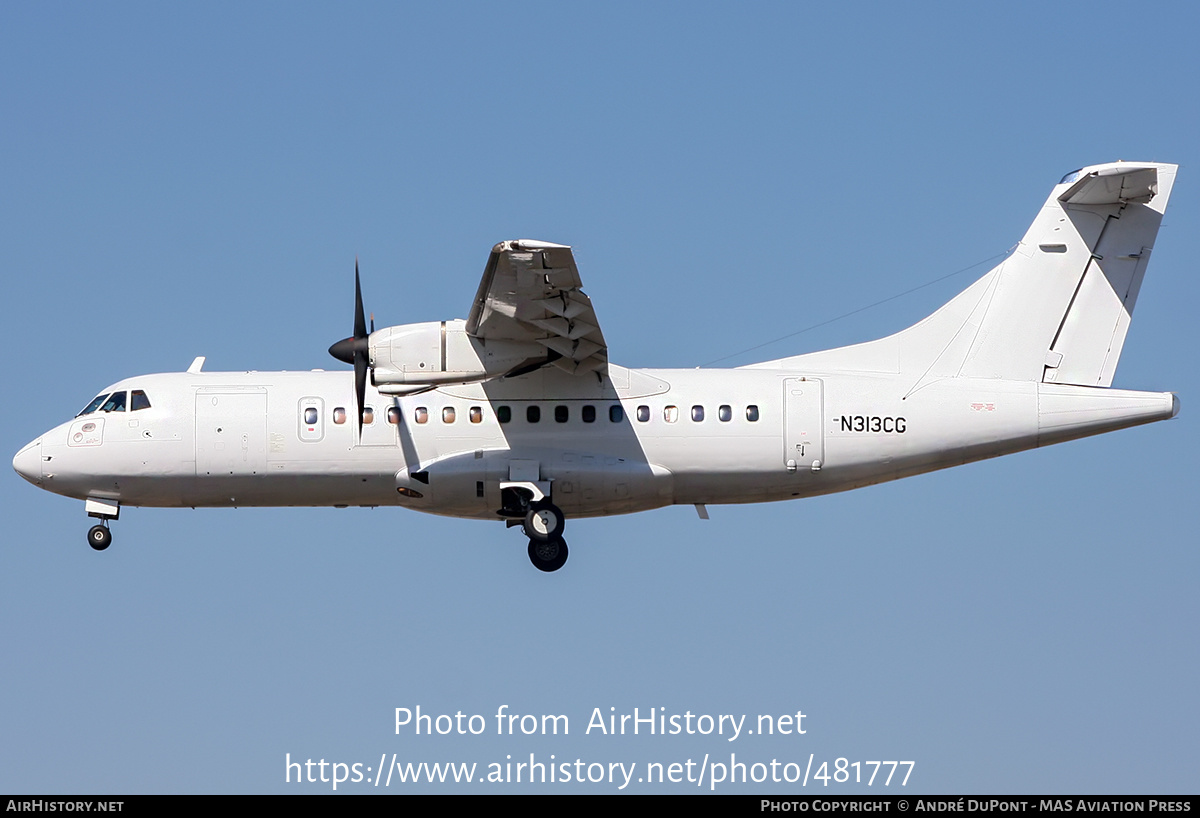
{"type": "Point", "coordinates": [515, 414]}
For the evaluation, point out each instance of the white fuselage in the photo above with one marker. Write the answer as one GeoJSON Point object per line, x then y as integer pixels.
{"type": "Point", "coordinates": [679, 436]}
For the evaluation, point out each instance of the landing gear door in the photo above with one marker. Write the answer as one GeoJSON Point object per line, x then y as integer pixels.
{"type": "Point", "coordinates": [803, 435]}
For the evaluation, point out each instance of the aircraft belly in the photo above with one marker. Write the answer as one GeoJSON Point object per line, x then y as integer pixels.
{"type": "Point", "coordinates": [292, 490]}
{"type": "Point", "coordinates": [594, 486]}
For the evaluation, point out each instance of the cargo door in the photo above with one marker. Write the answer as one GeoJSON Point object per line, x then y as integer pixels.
{"type": "Point", "coordinates": [231, 433]}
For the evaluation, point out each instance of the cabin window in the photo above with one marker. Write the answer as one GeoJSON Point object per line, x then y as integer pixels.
{"type": "Point", "coordinates": [643, 414]}
{"type": "Point", "coordinates": [504, 413]}
{"type": "Point", "coordinates": [560, 414]}
{"type": "Point", "coordinates": [448, 414]}
{"type": "Point", "coordinates": [115, 403]}
{"type": "Point", "coordinates": [138, 400]}
{"type": "Point", "coordinates": [93, 406]}
{"type": "Point", "coordinates": [725, 413]}
{"type": "Point", "coordinates": [393, 415]}
{"type": "Point", "coordinates": [670, 413]}
{"type": "Point", "coordinates": [368, 415]}
{"type": "Point", "coordinates": [476, 414]}
{"type": "Point", "coordinates": [697, 413]}
{"type": "Point", "coordinates": [615, 413]}
{"type": "Point", "coordinates": [533, 414]}
{"type": "Point", "coordinates": [339, 415]}
{"type": "Point", "coordinates": [588, 413]}
{"type": "Point", "coordinates": [310, 416]}
{"type": "Point", "coordinates": [752, 413]}
{"type": "Point", "coordinates": [422, 414]}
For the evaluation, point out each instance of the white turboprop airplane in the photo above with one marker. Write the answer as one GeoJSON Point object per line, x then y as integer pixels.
{"type": "Point", "coordinates": [516, 414]}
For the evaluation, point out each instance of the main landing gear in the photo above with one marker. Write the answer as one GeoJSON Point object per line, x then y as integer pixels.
{"type": "Point", "coordinates": [544, 523]}
{"type": "Point", "coordinates": [548, 556]}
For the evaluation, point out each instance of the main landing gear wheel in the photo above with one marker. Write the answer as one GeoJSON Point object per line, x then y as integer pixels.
{"type": "Point", "coordinates": [99, 537]}
{"type": "Point", "coordinates": [548, 556]}
{"type": "Point", "coordinates": [544, 522]}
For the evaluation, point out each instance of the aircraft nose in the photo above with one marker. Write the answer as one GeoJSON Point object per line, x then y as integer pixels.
{"type": "Point", "coordinates": [28, 462]}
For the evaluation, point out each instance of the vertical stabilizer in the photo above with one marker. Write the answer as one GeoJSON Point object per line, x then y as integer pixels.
{"type": "Point", "coordinates": [1055, 311]}
{"type": "Point", "coordinates": [1062, 302]}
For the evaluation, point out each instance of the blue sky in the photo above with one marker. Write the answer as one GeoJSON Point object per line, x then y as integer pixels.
{"type": "Point", "coordinates": [182, 181]}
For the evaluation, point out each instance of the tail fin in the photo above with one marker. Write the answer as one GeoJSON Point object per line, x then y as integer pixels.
{"type": "Point", "coordinates": [1056, 310]}
{"type": "Point", "coordinates": [1062, 302]}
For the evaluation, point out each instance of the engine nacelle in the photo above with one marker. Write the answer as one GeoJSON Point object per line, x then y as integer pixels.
{"type": "Point", "coordinates": [440, 352]}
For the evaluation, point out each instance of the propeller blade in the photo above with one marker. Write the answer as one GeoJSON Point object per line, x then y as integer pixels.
{"type": "Point", "coordinates": [360, 321]}
{"type": "Point", "coordinates": [360, 385]}
{"type": "Point", "coordinates": [356, 349]}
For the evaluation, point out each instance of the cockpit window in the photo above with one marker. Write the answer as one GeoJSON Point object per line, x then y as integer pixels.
{"type": "Point", "coordinates": [93, 406]}
{"type": "Point", "coordinates": [115, 403]}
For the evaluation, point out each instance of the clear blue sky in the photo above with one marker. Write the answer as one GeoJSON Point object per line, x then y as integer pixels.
{"type": "Point", "coordinates": [197, 180]}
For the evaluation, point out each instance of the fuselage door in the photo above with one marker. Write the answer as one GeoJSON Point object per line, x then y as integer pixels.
{"type": "Point", "coordinates": [312, 419]}
{"type": "Point", "coordinates": [231, 432]}
{"type": "Point", "coordinates": [803, 436]}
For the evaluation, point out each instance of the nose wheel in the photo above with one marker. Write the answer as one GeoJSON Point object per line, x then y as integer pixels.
{"type": "Point", "coordinates": [548, 556]}
{"type": "Point", "coordinates": [99, 537]}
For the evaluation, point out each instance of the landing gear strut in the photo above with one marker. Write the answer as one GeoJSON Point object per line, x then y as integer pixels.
{"type": "Point", "coordinates": [548, 556]}
{"type": "Point", "coordinates": [99, 537]}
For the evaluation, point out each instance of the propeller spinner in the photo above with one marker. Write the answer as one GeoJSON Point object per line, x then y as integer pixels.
{"type": "Point", "coordinates": [356, 349]}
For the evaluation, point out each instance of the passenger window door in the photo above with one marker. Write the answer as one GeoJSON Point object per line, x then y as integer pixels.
{"type": "Point", "coordinates": [312, 419]}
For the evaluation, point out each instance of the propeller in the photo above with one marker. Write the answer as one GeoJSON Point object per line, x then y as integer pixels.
{"type": "Point", "coordinates": [357, 348]}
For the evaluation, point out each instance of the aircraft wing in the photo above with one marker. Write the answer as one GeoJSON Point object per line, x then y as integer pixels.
{"type": "Point", "coordinates": [531, 292]}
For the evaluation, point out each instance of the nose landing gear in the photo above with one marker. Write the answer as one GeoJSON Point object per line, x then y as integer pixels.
{"type": "Point", "coordinates": [99, 537]}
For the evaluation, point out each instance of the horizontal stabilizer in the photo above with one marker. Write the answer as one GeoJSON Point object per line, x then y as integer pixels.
{"type": "Point", "coordinates": [1126, 182]}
